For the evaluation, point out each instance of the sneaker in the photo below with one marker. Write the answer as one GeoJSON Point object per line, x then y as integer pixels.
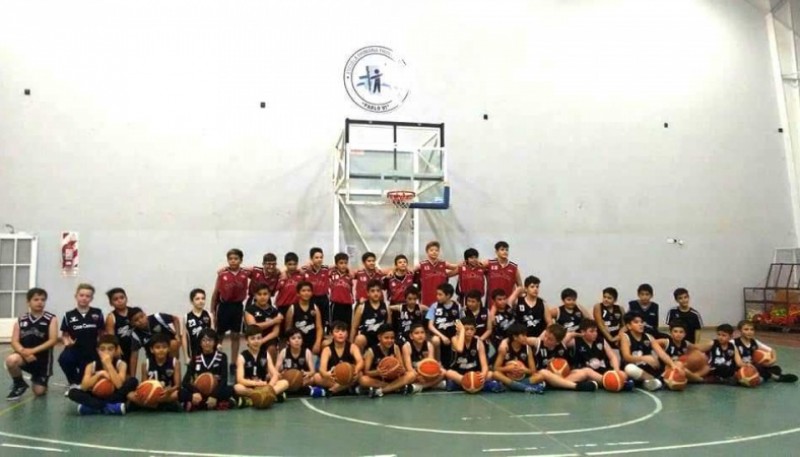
{"type": "Point", "coordinates": [84, 410]}
{"type": "Point", "coordinates": [442, 385]}
{"type": "Point", "coordinates": [787, 378]}
{"type": "Point", "coordinates": [71, 386]}
{"type": "Point", "coordinates": [652, 384]}
{"type": "Point", "coordinates": [359, 391]}
{"type": "Point", "coordinates": [115, 409]}
{"type": "Point", "coordinates": [537, 388]}
{"type": "Point", "coordinates": [493, 386]}
{"type": "Point", "coordinates": [586, 386]}
{"type": "Point", "coordinates": [243, 402]}
{"type": "Point", "coordinates": [281, 398]}
{"type": "Point", "coordinates": [628, 385]}
{"type": "Point", "coordinates": [318, 392]}
{"type": "Point", "coordinates": [375, 393]}
{"type": "Point", "coordinates": [17, 392]}
{"type": "Point", "coordinates": [411, 389]}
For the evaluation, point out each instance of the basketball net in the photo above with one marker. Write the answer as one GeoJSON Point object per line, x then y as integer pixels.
{"type": "Point", "coordinates": [401, 201]}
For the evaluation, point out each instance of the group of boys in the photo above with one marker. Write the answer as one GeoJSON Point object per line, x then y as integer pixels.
{"type": "Point", "coordinates": [313, 317]}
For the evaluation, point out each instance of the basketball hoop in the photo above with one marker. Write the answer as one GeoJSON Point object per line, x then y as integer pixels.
{"type": "Point", "coordinates": [400, 199]}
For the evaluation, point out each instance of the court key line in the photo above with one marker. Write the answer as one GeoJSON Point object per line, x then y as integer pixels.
{"type": "Point", "coordinates": [36, 448]}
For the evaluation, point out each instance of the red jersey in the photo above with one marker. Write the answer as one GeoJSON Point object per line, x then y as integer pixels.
{"type": "Point", "coordinates": [363, 277]}
{"type": "Point", "coordinates": [258, 276]}
{"type": "Point", "coordinates": [471, 278]}
{"type": "Point", "coordinates": [341, 288]}
{"type": "Point", "coordinates": [397, 285]}
{"type": "Point", "coordinates": [232, 286]}
{"type": "Point", "coordinates": [287, 289]}
{"type": "Point", "coordinates": [431, 276]}
{"type": "Point", "coordinates": [501, 277]}
{"type": "Point", "coordinates": [320, 279]}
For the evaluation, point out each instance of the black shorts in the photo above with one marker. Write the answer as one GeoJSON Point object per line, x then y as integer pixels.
{"type": "Point", "coordinates": [229, 317]}
{"type": "Point", "coordinates": [40, 370]}
{"type": "Point", "coordinates": [723, 371]}
{"type": "Point", "coordinates": [342, 312]}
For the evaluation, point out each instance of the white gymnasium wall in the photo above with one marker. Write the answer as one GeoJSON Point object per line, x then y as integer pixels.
{"type": "Point", "coordinates": [143, 132]}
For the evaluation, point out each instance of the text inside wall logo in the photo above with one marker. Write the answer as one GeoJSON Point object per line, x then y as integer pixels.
{"type": "Point", "coordinates": [376, 80]}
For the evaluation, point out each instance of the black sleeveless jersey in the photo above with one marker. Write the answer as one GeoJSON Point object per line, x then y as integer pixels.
{"type": "Point", "coordinates": [98, 365]}
{"type": "Point", "coordinates": [345, 356]}
{"type": "Point", "coordinates": [255, 366]}
{"type": "Point", "coordinates": [290, 362]}
{"type": "Point", "coordinates": [612, 318]}
{"type": "Point", "coordinates": [542, 355]}
{"type": "Point", "coordinates": [641, 347]}
{"type": "Point", "coordinates": [481, 318]}
{"type": "Point", "coordinates": [467, 360]}
{"type": "Point", "coordinates": [502, 320]}
{"type": "Point", "coordinates": [674, 351]}
{"type": "Point", "coordinates": [444, 319]}
{"type": "Point", "coordinates": [378, 354]}
{"type": "Point", "coordinates": [34, 331]}
{"type": "Point", "coordinates": [520, 354]}
{"type": "Point", "coordinates": [123, 332]}
{"type": "Point", "coordinates": [418, 354]}
{"type": "Point", "coordinates": [569, 320]}
{"type": "Point", "coordinates": [372, 318]}
{"type": "Point", "coordinates": [163, 373]}
{"type": "Point", "coordinates": [306, 322]}
{"type": "Point", "coordinates": [590, 355]}
{"type": "Point", "coordinates": [746, 351]}
{"type": "Point", "coordinates": [404, 319]}
{"type": "Point", "coordinates": [531, 317]}
{"type": "Point", "coordinates": [721, 357]}
{"type": "Point", "coordinates": [194, 326]}
{"type": "Point", "coordinates": [262, 314]}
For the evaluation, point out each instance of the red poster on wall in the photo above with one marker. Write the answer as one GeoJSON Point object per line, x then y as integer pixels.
{"type": "Point", "coordinates": [69, 253]}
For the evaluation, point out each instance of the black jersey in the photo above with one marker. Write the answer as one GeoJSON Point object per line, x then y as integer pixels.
{"type": "Point", "coordinates": [123, 332]}
{"type": "Point", "coordinates": [467, 360]}
{"type": "Point", "coordinates": [306, 322]}
{"type": "Point", "coordinates": [481, 319]}
{"type": "Point", "coordinates": [97, 365]}
{"type": "Point", "coordinates": [372, 318]}
{"type": "Point", "coordinates": [674, 351]}
{"type": "Point", "coordinates": [164, 373]}
{"type": "Point", "coordinates": [649, 315]}
{"type": "Point", "coordinates": [215, 363]}
{"type": "Point", "coordinates": [542, 355]}
{"type": "Point", "coordinates": [641, 347]}
{"type": "Point", "coordinates": [156, 323]}
{"type": "Point", "coordinates": [290, 362]}
{"type": "Point", "coordinates": [520, 354]}
{"type": "Point", "coordinates": [746, 350]}
{"type": "Point", "coordinates": [404, 319]}
{"type": "Point", "coordinates": [444, 318]}
{"type": "Point", "coordinates": [345, 356]}
{"type": "Point", "coordinates": [255, 366]}
{"type": "Point", "coordinates": [591, 355]}
{"type": "Point", "coordinates": [378, 354]}
{"type": "Point", "coordinates": [612, 318]}
{"type": "Point", "coordinates": [721, 357]}
{"type": "Point", "coordinates": [35, 331]}
{"type": "Point", "coordinates": [569, 320]}
{"type": "Point", "coordinates": [194, 326]}
{"type": "Point", "coordinates": [691, 319]}
{"type": "Point", "coordinates": [262, 314]}
{"type": "Point", "coordinates": [502, 320]}
{"type": "Point", "coordinates": [84, 329]}
{"type": "Point", "coordinates": [418, 355]}
{"type": "Point", "coordinates": [532, 317]}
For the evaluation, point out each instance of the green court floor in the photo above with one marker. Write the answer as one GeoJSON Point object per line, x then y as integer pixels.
{"type": "Point", "coordinates": [703, 420]}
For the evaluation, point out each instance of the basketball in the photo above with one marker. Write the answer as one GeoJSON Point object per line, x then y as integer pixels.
{"type": "Point", "coordinates": [390, 368]}
{"type": "Point", "coordinates": [295, 379]}
{"type": "Point", "coordinates": [518, 372]}
{"type": "Point", "coordinates": [103, 389]}
{"type": "Point", "coordinates": [748, 376]}
{"type": "Point", "coordinates": [559, 366]}
{"type": "Point", "coordinates": [429, 368]}
{"type": "Point", "coordinates": [675, 379]}
{"type": "Point", "coordinates": [471, 382]}
{"type": "Point", "coordinates": [263, 397]}
{"type": "Point", "coordinates": [206, 384]}
{"type": "Point", "coordinates": [149, 392]}
{"type": "Point", "coordinates": [762, 357]}
{"type": "Point", "coordinates": [614, 381]}
{"type": "Point", "coordinates": [344, 373]}
{"type": "Point", "coordinates": [694, 360]}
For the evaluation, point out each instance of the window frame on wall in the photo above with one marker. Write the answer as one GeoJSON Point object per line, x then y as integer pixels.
{"type": "Point", "coordinates": [19, 282]}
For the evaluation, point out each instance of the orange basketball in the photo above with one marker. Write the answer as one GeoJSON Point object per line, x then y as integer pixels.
{"type": "Point", "coordinates": [762, 357]}
{"type": "Point", "coordinates": [390, 368]}
{"type": "Point", "coordinates": [344, 373]}
{"type": "Point", "coordinates": [614, 381]}
{"type": "Point", "coordinates": [675, 379]}
{"type": "Point", "coordinates": [559, 366]}
{"type": "Point", "coordinates": [748, 376]}
{"type": "Point", "coordinates": [103, 388]}
{"type": "Point", "coordinates": [263, 397]}
{"type": "Point", "coordinates": [694, 360]}
{"type": "Point", "coordinates": [295, 379]}
{"type": "Point", "coordinates": [206, 384]}
{"type": "Point", "coordinates": [518, 372]}
{"type": "Point", "coordinates": [472, 382]}
{"type": "Point", "coordinates": [150, 392]}
{"type": "Point", "coordinates": [429, 368]}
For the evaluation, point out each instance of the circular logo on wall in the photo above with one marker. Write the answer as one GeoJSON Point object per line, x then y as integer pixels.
{"type": "Point", "coordinates": [375, 79]}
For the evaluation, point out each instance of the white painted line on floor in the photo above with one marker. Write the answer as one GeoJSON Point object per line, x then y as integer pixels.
{"type": "Point", "coordinates": [541, 415]}
{"type": "Point", "coordinates": [586, 445]}
{"type": "Point", "coordinates": [476, 418]}
{"type": "Point", "coordinates": [510, 449]}
{"type": "Point", "coordinates": [37, 448]}
{"type": "Point", "coordinates": [627, 443]}
{"type": "Point", "coordinates": [547, 455]}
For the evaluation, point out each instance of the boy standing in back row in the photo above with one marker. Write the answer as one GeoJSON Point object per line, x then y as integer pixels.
{"type": "Point", "coordinates": [432, 272]}
{"type": "Point", "coordinates": [502, 273]}
{"type": "Point", "coordinates": [227, 301]}
{"type": "Point", "coordinates": [685, 313]}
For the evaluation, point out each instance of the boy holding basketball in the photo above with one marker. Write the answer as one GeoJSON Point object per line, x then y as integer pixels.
{"type": "Point", "coordinates": [80, 329]}
{"type": "Point", "coordinates": [551, 345]}
{"type": "Point", "coordinates": [109, 367]}
{"type": "Point", "coordinates": [254, 368]}
{"type": "Point", "coordinates": [227, 300]}
{"type": "Point", "coordinates": [677, 347]}
{"type": "Point", "coordinates": [747, 345]}
{"type": "Point", "coordinates": [369, 317]}
{"type": "Point", "coordinates": [340, 350]}
{"type": "Point", "coordinates": [209, 360]}
{"type": "Point", "coordinates": [442, 317]}
{"type": "Point", "coordinates": [163, 367]}
{"type": "Point", "coordinates": [594, 354]}
{"type": "Point", "coordinates": [266, 317]}
{"type": "Point", "coordinates": [32, 339]}
{"type": "Point", "coordinates": [641, 355]}
{"type": "Point", "coordinates": [305, 316]}
{"type": "Point", "coordinates": [723, 357]}
{"type": "Point", "coordinates": [295, 357]}
{"type": "Point", "coordinates": [514, 365]}
{"type": "Point", "coordinates": [469, 354]}
{"type": "Point", "coordinates": [380, 379]}
{"type": "Point", "coordinates": [417, 349]}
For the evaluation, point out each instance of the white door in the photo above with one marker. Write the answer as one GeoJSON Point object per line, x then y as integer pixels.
{"type": "Point", "coordinates": [17, 275]}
